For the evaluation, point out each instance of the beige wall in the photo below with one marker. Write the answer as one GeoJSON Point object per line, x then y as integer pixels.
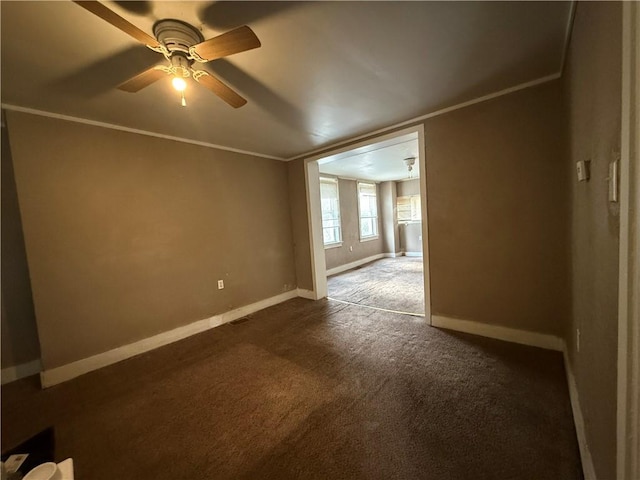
{"type": "Point", "coordinates": [300, 223]}
{"type": "Point", "coordinates": [408, 187]}
{"type": "Point", "coordinates": [349, 219]}
{"type": "Point", "coordinates": [498, 212]}
{"type": "Point", "coordinates": [388, 218]}
{"type": "Point", "coordinates": [410, 233]}
{"type": "Point", "coordinates": [127, 235]}
{"type": "Point", "coordinates": [19, 334]}
{"type": "Point", "coordinates": [593, 99]}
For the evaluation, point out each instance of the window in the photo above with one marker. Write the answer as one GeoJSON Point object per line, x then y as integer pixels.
{"type": "Point", "coordinates": [330, 202]}
{"type": "Point", "coordinates": [368, 205]}
{"type": "Point", "coordinates": [409, 209]}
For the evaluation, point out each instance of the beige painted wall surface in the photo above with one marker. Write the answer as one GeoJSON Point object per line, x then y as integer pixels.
{"type": "Point", "coordinates": [19, 333]}
{"type": "Point", "coordinates": [410, 233]}
{"type": "Point", "coordinates": [337, 256]}
{"type": "Point", "coordinates": [408, 187]}
{"type": "Point", "coordinates": [388, 218]}
{"type": "Point", "coordinates": [498, 212]}
{"type": "Point", "coordinates": [300, 223]}
{"type": "Point", "coordinates": [593, 100]}
{"type": "Point", "coordinates": [127, 235]}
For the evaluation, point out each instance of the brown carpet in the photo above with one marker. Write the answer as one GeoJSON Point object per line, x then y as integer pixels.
{"type": "Point", "coordinates": [312, 390]}
{"type": "Point", "coordinates": [390, 283]}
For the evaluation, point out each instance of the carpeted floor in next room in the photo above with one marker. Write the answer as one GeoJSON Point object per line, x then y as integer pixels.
{"type": "Point", "coordinates": [391, 283]}
{"type": "Point", "coordinates": [312, 390]}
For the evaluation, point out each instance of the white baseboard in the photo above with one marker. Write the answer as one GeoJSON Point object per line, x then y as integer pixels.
{"type": "Point", "coordinates": [585, 454]}
{"type": "Point", "coordinates": [357, 263]}
{"type": "Point", "coordinates": [11, 374]}
{"type": "Point", "coordinates": [412, 254]}
{"type": "Point", "coordinates": [524, 337]}
{"type": "Point", "coordinates": [393, 254]}
{"type": "Point", "coordinates": [71, 370]}
{"type": "Point", "coordinates": [308, 294]}
{"type": "Point", "coordinates": [549, 342]}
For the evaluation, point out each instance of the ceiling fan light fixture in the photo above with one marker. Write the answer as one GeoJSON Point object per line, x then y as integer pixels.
{"type": "Point", "coordinates": [179, 84]}
{"type": "Point", "coordinates": [410, 162]}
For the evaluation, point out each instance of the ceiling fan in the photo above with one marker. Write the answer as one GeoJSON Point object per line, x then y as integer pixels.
{"type": "Point", "coordinates": [182, 45]}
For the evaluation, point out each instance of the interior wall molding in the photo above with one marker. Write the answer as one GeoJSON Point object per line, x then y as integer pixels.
{"type": "Point", "coordinates": [567, 35]}
{"type": "Point", "coordinates": [147, 133]}
{"type": "Point", "coordinates": [357, 263]}
{"type": "Point", "coordinates": [308, 294]}
{"type": "Point", "coordinates": [514, 335]}
{"type": "Point", "coordinates": [412, 121]}
{"type": "Point", "coordinates": [54, 376]}
{"type": "Point", "coordinates": [628, 365]}
{"type": "Point", "coordinates": [588, 469]}
{"type": "Point", "coordinates": [11, 374]}
{"type": "Point", "coordinates": [533, 339]}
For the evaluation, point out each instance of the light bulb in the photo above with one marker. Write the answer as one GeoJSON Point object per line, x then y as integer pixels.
{"type": "Point", "coordinates": [179, 84]}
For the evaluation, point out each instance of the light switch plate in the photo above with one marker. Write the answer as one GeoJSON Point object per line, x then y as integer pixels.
{"type": "Point", "coordinates": [582, 170]}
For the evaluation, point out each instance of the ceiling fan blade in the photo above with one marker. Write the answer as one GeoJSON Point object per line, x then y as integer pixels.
{"type": "Point", "coordinates": [117, 21]}
{"type": "Point", "coordinates": [143, 79]}
{"type": "Point", "coordinates": [220, 89]}
{"type": "Point", "coordinates": [237, 40]}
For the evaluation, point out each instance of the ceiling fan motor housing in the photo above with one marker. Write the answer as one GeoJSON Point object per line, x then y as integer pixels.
{"type": "Point", "coordinates": [176, 35]}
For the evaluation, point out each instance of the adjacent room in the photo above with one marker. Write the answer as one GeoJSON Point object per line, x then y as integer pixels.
{"type": "Point", "coordinates": [311, 240]}
{"type": "Point", "coordinates": [372, 223]}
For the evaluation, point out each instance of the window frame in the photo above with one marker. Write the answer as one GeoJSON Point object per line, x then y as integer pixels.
{"type": "Point", "coordinates": [414, 207]}
{"type": "Point", "coordinates": [376, 223]}
{"type": "Point", "coordinates": [337, 243]}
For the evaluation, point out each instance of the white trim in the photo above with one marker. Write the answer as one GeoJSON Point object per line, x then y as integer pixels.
{"type": "Point", "coordinates": [585, 454]}
{"type": "Point", "coordinates": [534, 339]}
{"type": "Point", "coordinates": [357, 263]}
{"type": "Point", "coordinates": [71, 370]}
{"type": "Point", "coordinates": [628, 389]}
{"type": "Point", "coordinates": [316, 243]}
{"type": "Point", "coordinates": [112, 126]}
{"type": "Point", "coordinates": [11, 374]}
{"type": "Point", "coordinates": [567, 35]}
{"type": "Point", "coordinates": [412, 254]}
{"type": "Point", "coordinates": [426, 264]}
{"type": "Point", "coordinates": [393, 254]}
{"type": "Point", "coordinates": [523, 337]}
{"type": "Point", "coordinates": [312, 173]}
{"type": "Point", "coordinates": [328, 150]}
{"type": "Point", "coordinates": [308, 294]}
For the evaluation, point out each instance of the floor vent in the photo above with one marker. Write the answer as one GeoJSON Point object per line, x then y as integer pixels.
{"type": "Point", "coordinates": [240, 320]}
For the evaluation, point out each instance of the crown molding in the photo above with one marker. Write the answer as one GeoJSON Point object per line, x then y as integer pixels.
{"type": "Point", "coordinates": [95, 123]}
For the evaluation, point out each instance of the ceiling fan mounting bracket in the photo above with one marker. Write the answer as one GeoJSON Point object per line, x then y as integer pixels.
{"type": "Point", "coordinates": [176, 37]}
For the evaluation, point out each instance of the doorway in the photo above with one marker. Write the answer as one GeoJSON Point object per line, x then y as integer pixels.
{"type": "Point", "coordinates": [318, 166]}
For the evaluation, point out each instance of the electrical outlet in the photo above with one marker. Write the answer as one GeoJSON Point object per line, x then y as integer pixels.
{"type": "Point", "coordinates": [351, 248]}
{"type": "Point", "coordinates": [13, 463]}
{"type": "Point", "coordinates": [578, 339]}
{"type": "Point", "coordinates": [220, 284]}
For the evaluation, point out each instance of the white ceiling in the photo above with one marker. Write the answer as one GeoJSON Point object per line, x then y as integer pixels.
{"type": "Point", "coordinates": [326, 71]}
{"type": "Point", "coordinates": [378, 162]}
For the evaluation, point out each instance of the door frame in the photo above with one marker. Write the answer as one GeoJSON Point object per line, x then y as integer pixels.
{"type": "Point", "coordinates": [628, 394]}
{"type": "Point", "coordinates": [312, 181]}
